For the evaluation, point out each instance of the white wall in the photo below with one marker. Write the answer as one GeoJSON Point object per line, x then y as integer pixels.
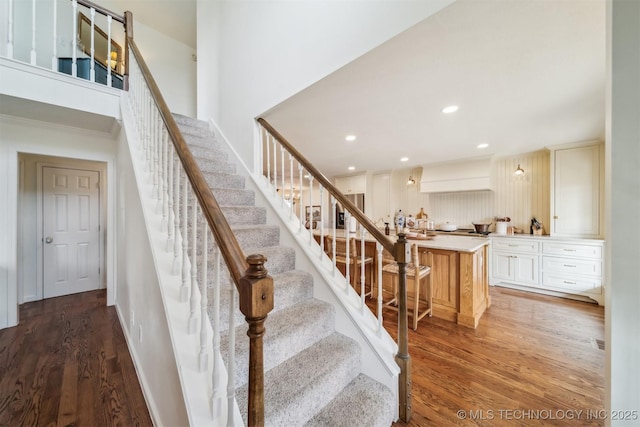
{"type": "Point", "coordinates": [140, 305]}
{"type": "Point", "coordinates": [622, 297]}
{"type": "Point", "coordinates": [271, 50]}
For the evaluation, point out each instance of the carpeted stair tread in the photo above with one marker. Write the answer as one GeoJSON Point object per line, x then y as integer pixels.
{"type": "Point", "coordinates": [224, 180]}
{"type": "Point", "coordinates": [234, 197]}
{"type": "Point", "coordinates": [208, 153]}
{"type": "Point", "coordinates": [256, 236]}
{"type": "Point", "coordinates": [245, 215]}
{"type": "Point", "coordinates": [288, 332]}
{"type": "Point", "coordinates": [290, 288]}
{"type": "Point", "coordinates": [280, 259]}
{"type": "Point", "coordinates": [297, 389]}
{"type": "Point", "coordinates": [215, 165]}
{"type": "Point", "coordinates": [363, 403]}
{"type": "Point", "coordinates": [183, 120]}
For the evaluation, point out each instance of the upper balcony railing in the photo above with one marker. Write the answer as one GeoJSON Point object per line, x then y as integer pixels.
{"type": "Point", "coordinates": [76, 37]}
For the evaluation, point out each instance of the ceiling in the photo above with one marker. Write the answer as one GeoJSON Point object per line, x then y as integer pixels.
{"type": "Point", "coordinates": [525, 74]}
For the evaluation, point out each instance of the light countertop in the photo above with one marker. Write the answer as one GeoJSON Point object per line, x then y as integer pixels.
{"type": "Point", "coordinates": [443, 242]}
{"type": "Point", "coordinates": [544, 237]}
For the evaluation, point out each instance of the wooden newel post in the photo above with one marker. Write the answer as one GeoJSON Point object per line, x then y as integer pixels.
{"type": "Point", "coordinates": [403, 256]}
{"type": "Point", "coordinates": [256, 301]}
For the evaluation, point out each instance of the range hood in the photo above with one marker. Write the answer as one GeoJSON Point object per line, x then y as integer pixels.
{"type": "Point", "coordinates": [468, 175]}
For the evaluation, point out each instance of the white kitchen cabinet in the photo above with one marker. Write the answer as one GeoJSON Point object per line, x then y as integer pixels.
{"type": "Point", "coordinates": [515, 262]}
{"type": "Point", "coordinates": [352, 184]}
{"type": "Point", "coordinates": [577, 197]}
{"type": "Point", "coordinates": [557, 266]}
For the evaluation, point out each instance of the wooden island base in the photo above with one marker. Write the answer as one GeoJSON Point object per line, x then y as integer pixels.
{"type": "Point", "coordinates": [460, 284]}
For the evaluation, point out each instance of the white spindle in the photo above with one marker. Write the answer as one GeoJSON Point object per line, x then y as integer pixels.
{"type": "Point", "coordinates": [165, 180]}
{"type": "Point", "coordinates": [231, 381]}
{"type": "Point", "coordinates": [216, 380]}
{"type": "Point", "coordinates": [92, 73]}
{"type": "Point", "coordinates": [54, 56]}
{"type": "Point", "coordinates": [379, 251]}
{"type": "Point", "coordinates": [347, 230]}
{"type": "Point", "coordinates": [310, 210]}
{"type": "Point", "coordinates": [184, 292]}
{"type": "Point", "coordinates": [74, 38]}
{"type": "Point", "coordinates": [333, 229]}
{"type": "Point", "coordinates": [203, 360]}
{"type": "Point", "coordinates": [154, 152]}
{"type": "Point", "coordinates": [300, 210]}
{"type": "Point", "coordinates": [193, 301]}
{"type": "Point", "coordinates": [282, 175]}
{"type": "Point", "coordinates": [275, 167]}
{"type": "Point", "coordinates": [170, 217]}
{"type": "Point", "coordinates": [362, 266]}
{"type": "Point", "coordinates": [10, 31]}
{"type": "Point", "coordinates": [321, 225]}
{"type": "Point", "coordinates": [33, 32]}
{"type": "Point", "coordinates": [268, 158]}
{"type": "Point", "coordinates": [109, 19]}
{"type": "Point", "coordinates": [291, 186]}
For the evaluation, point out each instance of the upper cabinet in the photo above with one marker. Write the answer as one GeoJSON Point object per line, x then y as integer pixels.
{"type": "Point", "coordinates": [352, 184]}
{"type": "Point", "coordinates": [577, 191]}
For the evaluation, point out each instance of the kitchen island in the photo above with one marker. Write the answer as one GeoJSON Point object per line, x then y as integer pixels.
{"type": "Point", "coordinates": [459, 274]}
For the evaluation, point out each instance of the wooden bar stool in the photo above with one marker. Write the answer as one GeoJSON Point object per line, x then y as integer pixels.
{"type": "Point", "coordinates": [415, 275]}
{"type": "Point", "coordinates": [356, 260]}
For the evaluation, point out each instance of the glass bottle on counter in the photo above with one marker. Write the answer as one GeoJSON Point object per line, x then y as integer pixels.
{"type": "Point", "coordinates": [386, 229]}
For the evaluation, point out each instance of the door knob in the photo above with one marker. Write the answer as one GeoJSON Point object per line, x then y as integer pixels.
{"type": "Point", "coordinates": [48, 239]}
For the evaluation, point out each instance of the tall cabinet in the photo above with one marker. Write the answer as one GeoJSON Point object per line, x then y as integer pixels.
{"type": "Point", "coordinates": [577, 185]}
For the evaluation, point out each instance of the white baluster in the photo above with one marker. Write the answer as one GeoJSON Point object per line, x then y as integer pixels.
{"type": "Point", "coordinates": [10, 31]}
{"type": "Point", "coordinates": [154, 151]}
{"type": "Point", "coordinates": [74, 38]}
{"type": "Point", "coordinates": [184, 291]}
{"type": "Point", "coordinates": [321, 225]}
{"type": "Point", "coordinates": [92, 72]}
{"type": "Point", "coordinates": [231, 381]}
{"type": "Point", "coordinates": [216, 404]}
{"type": "Point", "coordinates": [362, 266]}
{"type": "Point", "coordinates": [33, 32]}
{"type": "Point", "coordinates": [268, 158]}
{"type": "Point", "coordinates": [204, 359]}
{"type": "Point", "coordinates": [193, 301]}
{"type": "Point", "coordinates": [291, 186]}
{"type": "Point", "coordinates": [282, 174]}
{"type": "Point", "coordinates": [109, 19]}
{"type": "Point", "coordinates": [170, 218]}
{"type": "Point", "coordinates": [379, 251]}
{"type": "Point", "coordinates": [165, 179]}
{"type": "Point", "coordinates": [310, 219]}
{"type": "Point", "coordinates": [300, 213]}
{"type": "Point", "coordinates": [185, 240]}
{"type": "Point", "coordinates": [54, 56]}
{"type": "Point", "coordinates": [333, 229]}
{"type": "Point", "coordinates": [347, 230]}
{"type": "Point", "coordinates": [275, 167]}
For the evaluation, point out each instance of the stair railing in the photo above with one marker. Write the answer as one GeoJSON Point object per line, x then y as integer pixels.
{"type": "Point", "coordinates": [100, 23]}
{"type": "Point", "coordinates": [187, 204]}
{"type": "Point", "coordinates": [287, 173]}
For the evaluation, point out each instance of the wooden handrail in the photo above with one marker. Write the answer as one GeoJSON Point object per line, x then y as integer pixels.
{"type": "Point", "coordinates": [399, 250]}
{"type": "Point", "coordinates": [337, 194]}
{"type": "Point", "coordinates": [101, 10]}
{"type": "Point", "coordinates": [255, 286]}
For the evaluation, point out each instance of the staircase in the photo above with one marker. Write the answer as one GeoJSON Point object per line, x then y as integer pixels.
{"type": "Point", "coordinates": [312, 373]}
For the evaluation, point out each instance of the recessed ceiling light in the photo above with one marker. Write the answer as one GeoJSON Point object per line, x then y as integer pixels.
{"type": "Point", "coordinates": [351, 168]}
{"type": "Point", "coordinates": [450, 109]}
{"type": "Point", "coordinates": [404, 159]}
{"type": "Point", "coordinates": [350, 138]}
{"type": "Point", "coordinates": [483, 145]}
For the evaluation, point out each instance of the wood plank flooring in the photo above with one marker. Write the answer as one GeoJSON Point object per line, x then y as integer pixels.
{"type": "Point", "coordinates": [532, 361]}
{"type": "Point", "coordinates": [67, 364]}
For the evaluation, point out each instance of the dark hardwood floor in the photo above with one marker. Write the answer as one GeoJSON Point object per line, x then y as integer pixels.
{"type": "Point", "coordinates": [532, 361]}
{"type": "Point", "coordinates": [67, 364]}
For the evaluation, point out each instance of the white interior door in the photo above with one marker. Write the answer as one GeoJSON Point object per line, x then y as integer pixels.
{"type": "Point", "coordinates": [71, 226]}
